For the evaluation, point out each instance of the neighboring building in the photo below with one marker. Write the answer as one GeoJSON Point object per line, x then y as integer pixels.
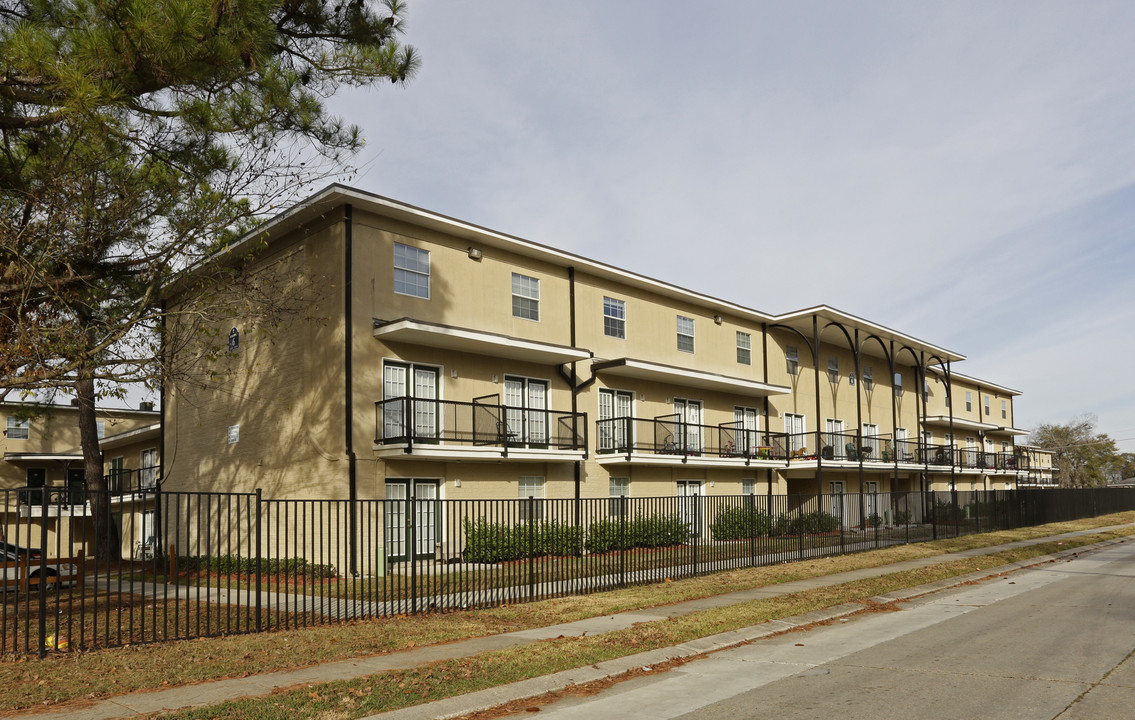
{"type": "Point", "coordinates": [442, 359]}
{"type": "Point", "coordinates": [41, 463]}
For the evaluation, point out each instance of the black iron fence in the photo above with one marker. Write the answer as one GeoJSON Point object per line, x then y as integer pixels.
{"type": "Point", "coordinates": [117, 569]}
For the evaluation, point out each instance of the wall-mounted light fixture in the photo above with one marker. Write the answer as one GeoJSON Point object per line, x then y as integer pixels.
{"type": "Point", "coordinates": [717, 319]}
{"type": "Point", "coordinates": [475, 254]}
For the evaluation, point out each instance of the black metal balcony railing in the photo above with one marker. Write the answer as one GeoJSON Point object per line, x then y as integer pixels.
{"type": "Point", "coordinates": [125, 481]}
{"type": "Point", "coordinates": [118, 482]}
{"type": "Point", "coordinates": [669, 435]}
{"type": "Point", "coordinates": [482, 422]}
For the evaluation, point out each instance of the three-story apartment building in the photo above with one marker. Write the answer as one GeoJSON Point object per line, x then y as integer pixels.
{"type": "Point", "coordinates": [436, 358]}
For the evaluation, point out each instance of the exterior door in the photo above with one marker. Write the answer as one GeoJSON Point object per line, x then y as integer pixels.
{"type": "Point", "coordinates": [114, 476]}
{"type": "Point", "coordinates": [870, 444]}
{"type": "Point", "coordinates": [426, 517]}
{"type": "Point", "coordinates": [835, 439]}
{"type": "Point", "coordinates": [526, 411]}
{"type": "Point", "coordinates": [148, 469]}
{"type": "Point", "coordinates": [615, 413]}
{"type": "Point", "coordinates": [838, 505]}
{"type": "Point", "coordinates": [747, 422]}
{"type": "Point", "coordinates": [688, 431]}
{"type": "Point", "coordinates": [689, 505]}
{"type": "Point", "coordinates": [76, 486]}
{"type": "Point", "coordinates": [413, 389]}
{"type": "Point", "coordinates": [871, 499]}
{"type": "Point", "coordinates": [794, 428]}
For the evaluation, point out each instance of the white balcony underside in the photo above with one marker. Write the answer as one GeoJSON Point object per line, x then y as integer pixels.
{"type": "Point", "coordinates": [486, 453]}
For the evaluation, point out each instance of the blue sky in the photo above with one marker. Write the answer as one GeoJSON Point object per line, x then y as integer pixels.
{"type": "Point", "coordinates": [962, 172]}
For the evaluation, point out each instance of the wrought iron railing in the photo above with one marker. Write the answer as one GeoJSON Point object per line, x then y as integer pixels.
{"type": "Point", "coordinates": [482, 422]}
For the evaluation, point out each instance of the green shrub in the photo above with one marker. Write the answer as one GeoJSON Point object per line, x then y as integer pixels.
{"type": "Point", "coordinates": [737, 523]}
{"type": "Point", "coordinates": [642, 531]}
{"type": "Point", "coordinates": [813, 523]}
{"type": "Point", "coordinates": [875, 520]}
{"type": "Point", "coordinates": [487, 542]}
{"type": "Point", "coordinates": [902, 517]}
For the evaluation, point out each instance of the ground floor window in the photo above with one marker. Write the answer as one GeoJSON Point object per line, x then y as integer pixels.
{"type": "Point", "coordinates": [620, 487]}
{"type": "Point", "coordinates": [531, 486]}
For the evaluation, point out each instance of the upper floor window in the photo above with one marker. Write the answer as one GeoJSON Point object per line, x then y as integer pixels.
{"type": "Point", "coordinates": [100, 428]}
{"type": "Point", "coordinates": [685, 334]}
{"type": "Point", "coordinates": [614, 318]}
{"type": "Point", "coordinates": [969, 400]}
{"type": "Point", "coordinates": [1004, 410]}
{"type": "Point", "coordinates": [925, 391]}
{"type": "Point", "coordinates": [17, 429]}
{"type": "Point", "coordinates": [898, 383]}
{"type": "Point", "coordinates": [744, 348]}
{"type": "Point", "coordinates": [792, 359]}
{"type": "Point", "coordinates": [833, 370]}
{"type": "Point", "coordinates": [947, 398]}
{"type": "Point", "coordinates": [411, 271]}
{"type": "Point", "coordinates": [868, 378]}
{"type": "Point", "coordinates": [525, 297]}
{"type": "Point", "coordinates": [987, 406]}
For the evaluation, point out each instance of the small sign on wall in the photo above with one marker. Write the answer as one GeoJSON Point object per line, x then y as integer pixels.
{"type": "Point", "coordinates": [234, 434]}
{"type": "Point", "coordinates": [234, 340]}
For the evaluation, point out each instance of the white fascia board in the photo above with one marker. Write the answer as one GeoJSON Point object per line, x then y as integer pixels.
{"type": "Point", "coordinates": [854, 321]}
{"type": "Point", "coordinates": [123, 438]}
{"type": "Point", "coordinates": [685, 377]}
{"type": "Point", "coordinates": [37, 457]}
{"type": "Point", "coordinates": [416, 332]}
{"type": "Point", "coordinates": [944, 420]}
{"type": "Point", "coordinates": [984, 384]}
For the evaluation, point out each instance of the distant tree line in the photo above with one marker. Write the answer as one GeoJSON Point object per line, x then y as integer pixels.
{"type": "Point", "coordinates": [1081, 456]}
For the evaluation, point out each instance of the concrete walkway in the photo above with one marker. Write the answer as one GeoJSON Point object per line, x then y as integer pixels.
{"type": "Point", "coordinates": [211, 693]}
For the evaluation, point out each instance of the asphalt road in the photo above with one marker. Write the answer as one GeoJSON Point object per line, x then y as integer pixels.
{"type": "Point", "coordinates": [1053, 642]}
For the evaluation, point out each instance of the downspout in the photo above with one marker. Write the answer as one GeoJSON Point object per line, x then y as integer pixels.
{"type": "Point", "coordinates": [349, 395]}
{"type": "Point", "coordinates": [578, 466]}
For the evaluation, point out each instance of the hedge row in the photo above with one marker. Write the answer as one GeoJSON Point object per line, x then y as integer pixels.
{"type": "Point", "coordinates": [489, 542]}
{"type": "Point", "coordinates": [229, 564]}
{"type": "Point", "coordinates": [740, 523]}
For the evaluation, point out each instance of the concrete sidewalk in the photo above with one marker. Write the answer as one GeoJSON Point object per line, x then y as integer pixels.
{"type": "Point", "coordinates": [211, 693]}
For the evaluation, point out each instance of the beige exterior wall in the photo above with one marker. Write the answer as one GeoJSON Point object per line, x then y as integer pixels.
{"type": "Point", "coordinates": [286, 387]}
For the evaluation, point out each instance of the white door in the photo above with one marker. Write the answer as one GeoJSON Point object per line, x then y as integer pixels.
{"type": "Point", "coordinates": [748, 422]}
{"type": "Point", "coordinates": [148, 469]}
{"type": "Point", "coordinates": [425, 403]}
{"type": "Point", "coordinates": [615, 410]}
{"type": "Point", "coordinates": [420, 400]}
{"type": "Point", "coordinates": [871, 500]}
{"type": "Point", "coordinates": [794, 427]}
{"type": "Point", "coordinates": [394, 514]}
{"type": "Point", "coordinates": [870, 444]}
{"type": "Point", "coordinates": [688, 435]}
{"type": "Point", "coordinates": [425, 516]}
{"type": "Point", "coordinates": [835, 438]}
{"type": "Point", "coordinates": [838, 505]}
{"type": "Point", "coordinates": [526, 410]}
{"type": "Point", "coordinates": [394, 413]}
{"type": "Point", "coordinates": [689, 504]}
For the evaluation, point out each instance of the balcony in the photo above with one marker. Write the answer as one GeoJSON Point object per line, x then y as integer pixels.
{"type": "Point", "coordinates": [124, 483]}
{"type": "Point", "coordinates": [483, 429]}
{"type": "Point", "coordinates": [666, 440]}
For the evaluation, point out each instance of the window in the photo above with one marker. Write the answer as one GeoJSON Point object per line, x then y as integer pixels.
{"type": "Point", "coordinates": [969, 400]}
{"type": "Point", "coordinates": [833, 370]}
{"type": "Point", "coordinates": [925, 391]}
{"type": "Point", "coordinates": [748, 486]}
{"type": "Point", "coordinates": [987, 407]}
{"type": "Point", "coordinates": [1004, 410]}
{"type": "Point", "coordinates": [615, 424]}
{"type": "Point", "coordinates": [525, 297]}
{"type": "Point", "coordinates": [17, 429]}
{"type": "Point", "coordinates": [792, 359]}
{"type": "Point", "coordinates": [685, 334]}
{"type": "Point", "coordinates": [744, 348]}
{"type": "Point", "coordinates": [411, 271]}
{"type": "Point", "coordinates": [100, 428]}
{"type": "Point", "coordinates": [747, 422]}
{"type": "Point", "coordinates": [526, 411]}
{"type": "Point", "coordinates": [947, 398]}
{"type": "Point", "coordinates": [410, 406]}
{"type": "Point", "coordinates": [531, 486]}
{"type": "Point", "coordinates": [870, 443]}
{"type": "Point", "coordinates": [614, 318]}
{"type": "Point", "coordinates": [619, 487]}
{"type": "Point", "coordinates": [868, 378]}
{"type": "Point", "coordinates": [898, 383]}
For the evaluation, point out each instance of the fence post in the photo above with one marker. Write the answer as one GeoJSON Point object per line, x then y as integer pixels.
{"type": "Point", "coordinates": [42, 573]}
{"type": "Point", "coordinates": [259, 561]}
{"type": "Point", "coordinates": [412, 546]}
{"type": "Point", "coordinates": [531, 548]}
{"type": "Point", "coordinates": [622, 541]}
{"type": "Point", "coordinates": [752, 528]}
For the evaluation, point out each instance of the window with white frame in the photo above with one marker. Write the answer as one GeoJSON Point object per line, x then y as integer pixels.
{"type": "Point", "coordinates": [744, 348]}
{"type": "Point", "coordinates": [614, 318]}
{"type": "Point", "coordinates": [116, 474]}
{"type": "Point", "coordinates": [619, 487]}
{"type": "Point", "coordinates": [531, 486]}
{"type": "Point", "coordinates": [987, 407]}
{"type": "Point", "coordinates": [833, 370]}
{"type": "Point", "coordinates": [925, 391]}
{"type": "Point", "coordinates": [411, 271]}
{"type": "Point", "coordinates": [870, 441]}
{"type": "Point", "coordinates": [148, 469]}
{"type": "Point", "coordinates": [868, 378]}
{"type": "Point", "coordinates": [748, 486]}
{"type": "Point", "coordinates": [898, 383]}
{"type": "Point", "coordinates": [1004, 410]}
{"type": "Point", "coordinates": [685, 334]}
{"type": "Point", "coordinates": [969, 401]}
{"type": "Point", "coordinates": [525, 297]}
{"type": "Point", "coordinates": [792, 359]}
{"type": "Point", "coordinates": [100, 428]}
{"type": "Point", "coordinates": [17, 429]}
